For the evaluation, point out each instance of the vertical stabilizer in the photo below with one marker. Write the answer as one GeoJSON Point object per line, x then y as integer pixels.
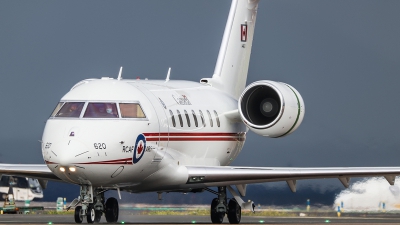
{"type": "Point", "coordinates": [230, 72]}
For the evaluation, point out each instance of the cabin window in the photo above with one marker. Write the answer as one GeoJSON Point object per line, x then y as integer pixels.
{"type": "Point", "coordinates": [187, 118]}
{"type": "Point", "coordinates": [180, 118]}
{"type": "Point", "coordinates": [202, 118]}
{"type": "Point", "coordinates": [58, 107]}
{"type": "Point", "coordinates": [172, 118]}
{"type": "Point", "coordinates": [195, 119]}
{"type": "Point", "coordinates": [217, 118]}
{"type": "Point", "coordinates": [71, 109]}
{"type": "Point", "coordinates": [209, 116]}
{"type": "Point", "coordinates": [101, 110]}
{"type": "Point", "coordinates": [131, 110]}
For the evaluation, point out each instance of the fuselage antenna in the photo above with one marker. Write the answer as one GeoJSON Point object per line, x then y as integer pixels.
{"type": "Point", "coordinates": [120, 74]}
{"type": "Point", "coordinates": [169, 72]}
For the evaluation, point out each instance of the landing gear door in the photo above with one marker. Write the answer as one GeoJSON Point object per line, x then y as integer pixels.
{"type": "Point", "coordinates": [161, 138]}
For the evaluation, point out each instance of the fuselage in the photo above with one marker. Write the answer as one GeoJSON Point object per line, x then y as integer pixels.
{"type": "Point", "coordinates": [121, 133]}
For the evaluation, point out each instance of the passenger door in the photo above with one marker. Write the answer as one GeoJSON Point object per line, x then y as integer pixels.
{"type": "Point", "coordinates": [159, 107]}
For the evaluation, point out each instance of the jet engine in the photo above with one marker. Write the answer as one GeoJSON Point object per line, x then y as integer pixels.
{"type": "Point", "coordinates": [271, 109]}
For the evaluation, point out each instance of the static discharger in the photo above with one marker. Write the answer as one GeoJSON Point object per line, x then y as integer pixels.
{"type": "Point", "coordinates": [169, 73]}
{"type": "Point", "coordinates": [120, 74]}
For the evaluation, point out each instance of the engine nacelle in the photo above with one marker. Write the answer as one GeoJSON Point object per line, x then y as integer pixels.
{"type": "Point", "coordinates": [271, 108]}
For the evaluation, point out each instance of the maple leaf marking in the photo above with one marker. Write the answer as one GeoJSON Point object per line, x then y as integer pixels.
{"type": "Point", "coordinates": [140, 148]}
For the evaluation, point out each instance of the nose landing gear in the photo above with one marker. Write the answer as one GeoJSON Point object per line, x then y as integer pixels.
{"type": "Point", "coordinates": [93, 206]}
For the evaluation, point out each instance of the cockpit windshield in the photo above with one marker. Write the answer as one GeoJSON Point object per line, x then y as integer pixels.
{"type": "Point", "coordinates": [101, 110]}
{"type": "Point", "coordinates": [56, 109]}
{"type": "Point", "coordinates": [70, 109]}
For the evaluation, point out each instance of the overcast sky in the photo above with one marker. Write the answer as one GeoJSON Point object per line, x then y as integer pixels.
{"type": "Point", "coordinates": [342, 56]}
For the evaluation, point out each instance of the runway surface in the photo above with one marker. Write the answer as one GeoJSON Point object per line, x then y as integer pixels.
{"type": "Point", "coordinates": [145, 219]}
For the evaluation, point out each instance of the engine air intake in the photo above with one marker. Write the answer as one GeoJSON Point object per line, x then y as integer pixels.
{"type": "Point", "coordinates": [271, 109]}
{"type": "Point", "coordinates": [261, 105]}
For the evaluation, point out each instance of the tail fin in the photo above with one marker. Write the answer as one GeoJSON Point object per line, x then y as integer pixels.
{"type": "Point", "coordinates": [232, 65]}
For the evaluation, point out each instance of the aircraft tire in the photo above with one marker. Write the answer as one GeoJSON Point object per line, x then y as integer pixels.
{"type": "Point", "coordinates": [90, 214]}
{"type": "Point", "coordinates": [97, 216]}
{"type": "Point", "coordinates": [234, 212]}
{"type": "Point", "coordinates": [216, 217]}
{"type": "Point", "coordinates": [77, 215]}
{"type": "Point", "coordinates": [112, 210]}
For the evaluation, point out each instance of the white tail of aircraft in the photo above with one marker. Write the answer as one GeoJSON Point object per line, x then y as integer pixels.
{"type": "Point", "coordinates": [232, 65]}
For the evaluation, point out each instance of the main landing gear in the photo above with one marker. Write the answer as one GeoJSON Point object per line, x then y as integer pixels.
{"type": "Point", "coordinates": [219, 208]}
{"type": "Point", "coordinates": [94, 205]}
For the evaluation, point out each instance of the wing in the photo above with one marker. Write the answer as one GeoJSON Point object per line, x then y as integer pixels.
{"type": "Point", "coordinates": [37, 171]}
{"type": "Point", "coordinates": [226, 175]}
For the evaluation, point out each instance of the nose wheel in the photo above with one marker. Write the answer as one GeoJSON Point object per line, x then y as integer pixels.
{"type": "Point", "coordinates": [90, 214]}
{"type": "Point", "coordinates": [78, 216]}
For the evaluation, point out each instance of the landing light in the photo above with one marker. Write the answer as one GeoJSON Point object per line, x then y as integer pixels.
{"type": "Point", "coordinates": [72, 169]}
{"type": "Point", "coordinates": [196, 179]}
{"type": "Point", "coordinates": [62, 169]}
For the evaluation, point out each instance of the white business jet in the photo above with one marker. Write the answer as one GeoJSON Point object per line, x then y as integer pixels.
{"type": "Point", "coordinates": [175, 136]}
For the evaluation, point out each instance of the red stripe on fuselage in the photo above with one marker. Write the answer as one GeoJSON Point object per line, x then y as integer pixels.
{"type": "Point", "coordinates": [116, 161]}
{"type": "Point", "coordinates": [195, 136]}
{"type": "Point", "coordinates": [194, 139]}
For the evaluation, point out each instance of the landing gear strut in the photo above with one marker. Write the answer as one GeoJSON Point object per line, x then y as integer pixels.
{"type": "Point", "coordinates": [93, 206]}
{"type": "Point", "coordinates": [219, 208]}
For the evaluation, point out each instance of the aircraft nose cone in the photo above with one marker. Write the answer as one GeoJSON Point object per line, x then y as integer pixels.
{"type": "Point", "coordinates": [73, 152]}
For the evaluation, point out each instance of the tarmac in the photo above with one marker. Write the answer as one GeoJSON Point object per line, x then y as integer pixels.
{"type": "Point", "coordinates": [127, 218]}
{"type": "Point", "coordinates": [130, 215]}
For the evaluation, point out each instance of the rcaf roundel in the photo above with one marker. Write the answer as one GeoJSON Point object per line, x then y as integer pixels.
{"type": "Point", "coordinates": [140, 147]}
{"type": "Point", "coordinates": [243, 32]}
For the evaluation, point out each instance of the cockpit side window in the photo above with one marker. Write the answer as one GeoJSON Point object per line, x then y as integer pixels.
{"type": "Point", "coordinates": [70, 109]}
{"type": "Point", "coordinates": [131, 110]}
{"type": "Point", "coordinates": [58, 107]}
{"type": "Point", "coordinates": [101, 110]}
